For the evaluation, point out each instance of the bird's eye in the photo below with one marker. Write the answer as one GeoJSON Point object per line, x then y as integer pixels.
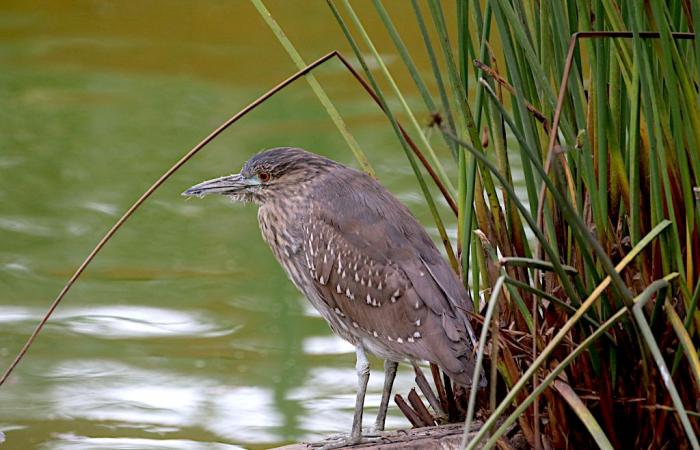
{"type": "Point", "coordinates": [264, 177]}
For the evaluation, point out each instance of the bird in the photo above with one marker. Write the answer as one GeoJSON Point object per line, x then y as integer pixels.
{"type": "Point", "coordinates": [362, 260]}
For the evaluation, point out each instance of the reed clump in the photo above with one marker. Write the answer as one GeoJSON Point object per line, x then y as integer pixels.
{"type": "Point", "coordinates": [587, 275]}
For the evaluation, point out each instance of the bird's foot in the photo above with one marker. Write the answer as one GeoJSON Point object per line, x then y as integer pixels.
{"type": "Point", "coordinates": [374, 432]}
{"type": "Point", "coordinates": [344, 440]}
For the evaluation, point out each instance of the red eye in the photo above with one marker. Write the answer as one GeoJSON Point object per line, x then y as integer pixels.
{"type": "Point", "coordinates": [264, 177]}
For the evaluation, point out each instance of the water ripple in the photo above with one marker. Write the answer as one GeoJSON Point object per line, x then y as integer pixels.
{"type": "Point", "coordinates": [25, 226]}
{"type": "Point", "coordinates": [129, 394]}
{"type": "Point", "coordinates": [139, 321]}
{"type": "Point", "coordinates": [327, 345]}
{"type": "Point", "coordinates": [75, 442]}
{"type": "Point", "coordinates": [12, 314]}
{"type": "Point", "coordinates": [118, 322]}
{"type": "Point", "coordinates": [105, 208]}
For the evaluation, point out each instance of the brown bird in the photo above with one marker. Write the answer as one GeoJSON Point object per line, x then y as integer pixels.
{"type": "Point", "coordinates": [362, 260]}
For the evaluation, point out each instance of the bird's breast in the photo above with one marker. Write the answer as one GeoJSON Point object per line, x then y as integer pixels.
{"type": "Point", "coordinates": [279, 231]}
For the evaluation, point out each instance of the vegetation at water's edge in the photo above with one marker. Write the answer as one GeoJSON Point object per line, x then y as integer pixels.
{"type": "Point", "coordinates": [590, 328]}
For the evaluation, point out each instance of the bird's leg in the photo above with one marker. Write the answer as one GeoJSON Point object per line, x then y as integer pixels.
{"type": "Point", "coordinates": [389, 376]}
{"type": "Point", "coordinates": [362, 367]}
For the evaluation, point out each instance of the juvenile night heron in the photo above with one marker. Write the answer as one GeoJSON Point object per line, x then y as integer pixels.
{"type": "Point", "coordinates": [361, 259]}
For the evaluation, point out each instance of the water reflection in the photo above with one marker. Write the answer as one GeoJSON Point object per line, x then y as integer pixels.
{"type": "Point", "coordinates": [326, 345]}
{"type": "Point", "coordinates": [75, 442]}
{"type": "Point", "coordinates": [137, 321]}
{"type": "Point", "coordinates": [118, 322]}
{"type": "Point", "coordinates": [128, 394]}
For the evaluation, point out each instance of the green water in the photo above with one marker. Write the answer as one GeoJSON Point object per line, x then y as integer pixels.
{"type": "Point", "coordinates": [184, 333]}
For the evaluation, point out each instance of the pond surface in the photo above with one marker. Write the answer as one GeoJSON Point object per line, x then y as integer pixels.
{"type": "Point", "coordinates": [184, 333]}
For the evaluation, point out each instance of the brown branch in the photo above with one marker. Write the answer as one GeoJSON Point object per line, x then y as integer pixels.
{"type": "Point", "coordinates": [487, 70]}
{"type": "Point", "coordinates": [428, 393]}
{"type": "Point", "coordinates": [419, 407]}
{"type": "Point", "coordinates": [439, 386]}
{"type": "Point", "coordinates": [407, 411]}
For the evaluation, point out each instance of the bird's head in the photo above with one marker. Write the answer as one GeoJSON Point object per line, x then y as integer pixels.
{"type": "Point", "coordinates": [275, 173]}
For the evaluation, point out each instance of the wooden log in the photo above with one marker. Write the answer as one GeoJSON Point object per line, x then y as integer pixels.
{"type": "Point", "coordinates": [443, 437]}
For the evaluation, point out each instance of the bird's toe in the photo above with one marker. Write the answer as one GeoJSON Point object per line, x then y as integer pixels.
{"type": "Point", "coordinates": [345, 441]}
{"type": "Point", "coordinates": [374, 431]}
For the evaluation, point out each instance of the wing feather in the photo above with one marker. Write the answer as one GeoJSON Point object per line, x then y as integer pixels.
{"type": "Point", "coordinates": [379, 271]}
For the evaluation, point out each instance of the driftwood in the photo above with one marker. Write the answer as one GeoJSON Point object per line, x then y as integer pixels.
{"type": "Point", "coordinates": [443, 437]}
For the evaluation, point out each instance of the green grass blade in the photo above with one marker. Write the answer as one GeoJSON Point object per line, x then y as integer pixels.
{"type": "Point", "coordinates": [557, 301]}
{"type": "Point", "coordinates": [493, 301]}
{"type": "Point", "coordinates": [399, 95]}
{"type": "Point", "coordinates": [663, 369]}
{"type": "Point", "coordinates": [466, 168]}
{"type": "Point", "coordinates": [437, 72]}
{"type": "Point", "coordinates": [685, 341]}
{"type": "Point", "coordinates": [316, 87]}
{"type": "Point", "coordinates": [409, 63]}
{"type": "Point", "coordinates": [535, 264]}
{"type": "Point", "coordinates": [583, 413]}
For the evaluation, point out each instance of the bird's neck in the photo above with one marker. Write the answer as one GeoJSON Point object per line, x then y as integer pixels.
{"type": "Point", "coordinates": [280, 225]}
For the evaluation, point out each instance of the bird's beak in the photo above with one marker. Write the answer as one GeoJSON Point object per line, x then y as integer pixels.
{"type": "Point", "coordinates": [228, 185]}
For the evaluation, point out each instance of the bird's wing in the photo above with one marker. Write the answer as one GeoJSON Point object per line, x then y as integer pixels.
{"type": "Point", "coordinates": [377, 269]}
